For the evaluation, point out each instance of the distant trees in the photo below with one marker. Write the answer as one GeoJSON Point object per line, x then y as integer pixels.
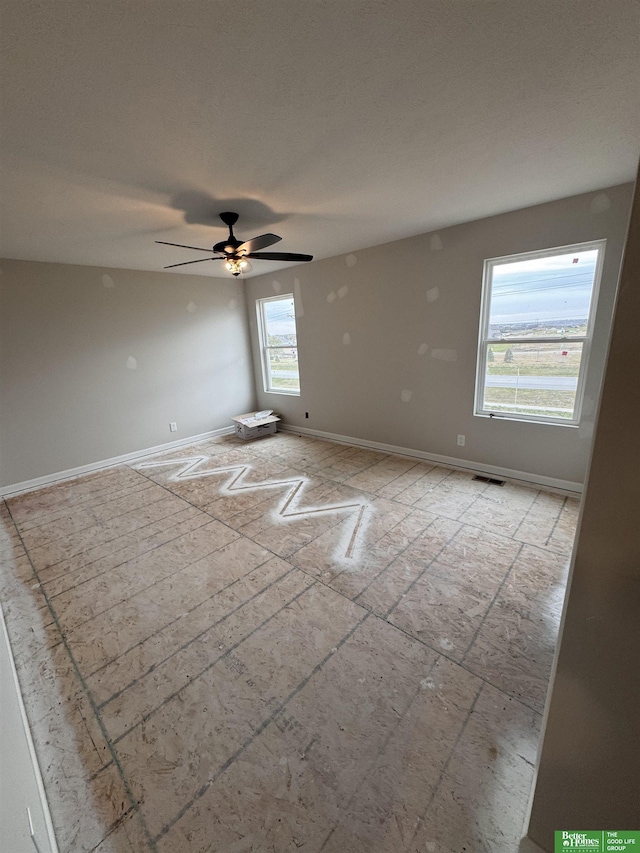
{"type": "Point", "coordinates": [508, 356]}
{"type": "Point", "coordinates": [490, 355]}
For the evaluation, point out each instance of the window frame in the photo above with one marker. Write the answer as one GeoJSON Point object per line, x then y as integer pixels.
{"type": "Point", "coordinates": [484, 341]}
{"type": "Point", "coordinates": [265, 347]}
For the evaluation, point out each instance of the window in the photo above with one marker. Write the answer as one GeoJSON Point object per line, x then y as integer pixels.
{"type": "Point", "coordinates": [279, 344]}
{"type": "Point", "coordinates": [535, 333]}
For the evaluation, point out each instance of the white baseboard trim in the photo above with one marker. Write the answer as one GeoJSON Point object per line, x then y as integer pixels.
{"type": "Point", "coordinates": [71, 473]}
{"type": "Point", "coordinates": [565, 487]}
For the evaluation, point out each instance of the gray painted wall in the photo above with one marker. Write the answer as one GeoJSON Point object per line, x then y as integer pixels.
{"type": "Point", "coordinates": [588, 770]}
{"type": "Point", "coordinates": [403, 317]}
{"type": "Point", "coordinates": [371, 326]}
{"type": "Point", "coordinates": [66, 336]}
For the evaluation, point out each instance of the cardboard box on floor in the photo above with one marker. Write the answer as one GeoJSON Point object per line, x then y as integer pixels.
{"type": "Point", "coordinates": [255, 424]}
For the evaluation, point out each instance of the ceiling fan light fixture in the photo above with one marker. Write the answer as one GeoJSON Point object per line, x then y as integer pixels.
{"type": "Point", "coordinates": [237, 266]}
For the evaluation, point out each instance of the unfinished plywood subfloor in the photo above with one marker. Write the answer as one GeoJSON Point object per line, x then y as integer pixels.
{"type": "Point", "coordinates": [282, 646]}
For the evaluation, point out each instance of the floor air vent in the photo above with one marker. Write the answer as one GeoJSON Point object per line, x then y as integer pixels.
{"type": "Point", "coordinates": [490, 480]}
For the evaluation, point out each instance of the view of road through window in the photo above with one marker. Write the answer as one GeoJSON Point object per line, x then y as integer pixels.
{"type": "Point", "coordinates": [538, 322]}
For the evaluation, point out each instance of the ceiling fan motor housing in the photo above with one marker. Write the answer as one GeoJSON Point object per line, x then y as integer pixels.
{"type": "Point", "coordinates": [228, 246]}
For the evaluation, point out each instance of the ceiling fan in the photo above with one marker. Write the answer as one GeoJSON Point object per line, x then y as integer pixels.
{"type": "Point", "coordinates": [235, 253]}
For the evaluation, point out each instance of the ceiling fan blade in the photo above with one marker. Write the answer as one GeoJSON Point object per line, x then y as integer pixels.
{"type": "Point", "coordinates": [260, 242]}
{"type": "Point", "coordinates": [279, 256]}
{"type": "Point", "coordinates": [181, 246]}
{"type": "Point", "coordinates": [199, 261]}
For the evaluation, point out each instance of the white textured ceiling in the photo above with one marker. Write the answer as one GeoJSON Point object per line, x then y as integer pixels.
{"type": "Point", "coordinates": [338, 124]}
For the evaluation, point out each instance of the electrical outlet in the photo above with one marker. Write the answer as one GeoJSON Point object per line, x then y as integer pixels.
{"type": "Point", "coordinates": [461, 441]}
{"type": "Point", "coordinates": [173, 427]}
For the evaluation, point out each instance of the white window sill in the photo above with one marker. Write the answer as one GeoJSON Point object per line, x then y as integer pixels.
{"type": "Point", "coordinates": [507, 416]}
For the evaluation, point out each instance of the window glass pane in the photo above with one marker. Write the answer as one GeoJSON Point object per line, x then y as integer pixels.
{"type": "Point", "coordinates": [532, 379]}
{"type": "Point", "coordinates": [280, 322]}
{"type": "Point", "coordinates": [283, 369]}
{"type": "Point", "coordinates": [542, 297]}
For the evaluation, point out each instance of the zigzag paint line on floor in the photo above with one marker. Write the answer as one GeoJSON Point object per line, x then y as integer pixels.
{"type": "Point", "coordinates": [191, 469]}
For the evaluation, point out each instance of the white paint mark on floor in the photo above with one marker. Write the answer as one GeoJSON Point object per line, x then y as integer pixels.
{"type": "Point", "coordinates": [107, 281]}
{"type": "Point", "coordinates": [331, 297]}
{"type": "Point", "coordinates": [446, 644]}
{"type": "Point", "coordinates": [346, 339]}
{"type": "Point", "coordinates": [427, 684]}
{"type": "Point", "coordinates": [343, 291]}
{"type": "Point", "coordinates": [435, 243]}
{"type": "Point", "coordinates": [406, 395]}
{"type": "Point", "coordinates": [190, 468]}
{"type": "Point", "coordinates": [432, 294]}
{"type": "Point", "coordinates": [445, 354]}
{"type": "Point", "coordinates": [132, 363]}
{"type": "Point", "coordinates": [422, 349]}
{"type": "Point", "coordinates": [191, 307]}
{"type": "Point", "coordinates": [351, 260]}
